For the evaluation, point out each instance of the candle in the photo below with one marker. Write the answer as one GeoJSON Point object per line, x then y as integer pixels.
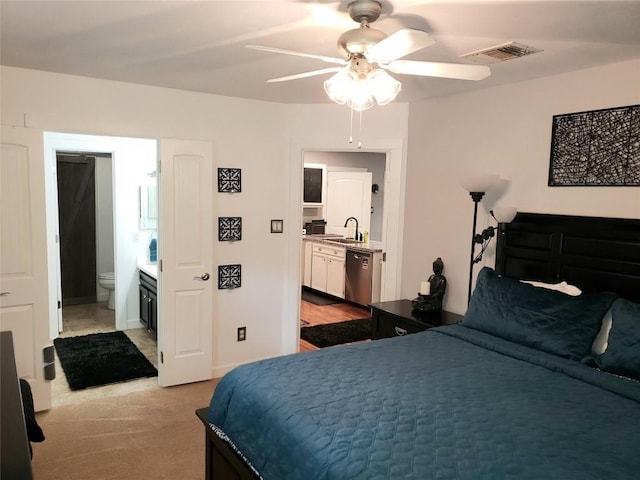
{"type": "Point", "coordinates": [425, 288]}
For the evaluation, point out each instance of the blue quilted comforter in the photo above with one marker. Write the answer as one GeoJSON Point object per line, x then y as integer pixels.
{"type": "Point", "coordinates": [448, 403]}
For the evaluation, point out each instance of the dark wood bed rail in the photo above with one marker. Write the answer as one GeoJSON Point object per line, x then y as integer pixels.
{"type": "Point", "coordinates": [222, 462]}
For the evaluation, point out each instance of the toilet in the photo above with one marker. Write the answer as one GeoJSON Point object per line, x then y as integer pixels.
{"type": "Point", "coordinates": [108, 282]}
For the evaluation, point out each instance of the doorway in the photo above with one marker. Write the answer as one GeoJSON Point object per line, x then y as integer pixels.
{"type": "Point", "coordinates": [121, 243]}
{"type": "Point", "coordinates": [330, 308]}
{"type": "Point", "coordinates": [77, 227]}
{"type": "Point", "coordinates": [115, 241]}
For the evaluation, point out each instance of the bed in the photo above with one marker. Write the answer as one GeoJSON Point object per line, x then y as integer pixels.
{"type": "Point", "coordinates": [533, 383]}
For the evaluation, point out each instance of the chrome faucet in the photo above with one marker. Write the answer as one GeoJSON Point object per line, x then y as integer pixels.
{"type": "Point", "coordinates": [356, 220]}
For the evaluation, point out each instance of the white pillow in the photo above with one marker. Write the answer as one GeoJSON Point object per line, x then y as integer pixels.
{"type": "Point", "coordinates": [602, 339]}
{"type": "Point", "coordinates": [563, 287]}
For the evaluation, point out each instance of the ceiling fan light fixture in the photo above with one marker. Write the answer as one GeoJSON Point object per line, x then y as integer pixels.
{"type": "Point", "coordinates": [338, 87]}
{"type": "Point", "coordinates": [360, 96]}
{"type": "Point", "coordinates": [383, 86]}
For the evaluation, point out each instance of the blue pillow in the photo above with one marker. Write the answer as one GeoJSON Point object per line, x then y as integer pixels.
{"type": "Point", "coordinates": [622, 355]}
{"type": "Point", "coordinates": [544, 319]}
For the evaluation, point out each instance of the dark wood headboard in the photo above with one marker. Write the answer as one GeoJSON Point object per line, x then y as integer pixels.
{"type": "Point", "coordinates": [594, 253]}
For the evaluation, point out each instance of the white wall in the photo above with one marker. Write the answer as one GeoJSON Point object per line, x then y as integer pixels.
{"type": "Point", "coordinates": [104, 220]}
{"type": "Point", "coordinates": [259, 138]}
{"type": "Point", "coordinates": [504, 130]}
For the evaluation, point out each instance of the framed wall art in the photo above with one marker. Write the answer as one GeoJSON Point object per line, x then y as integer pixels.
{"type": "Point", "coordinates": [229, 276]}
{"type": "Point", "coordinates": [596, 148]}
{"type": "Point", "coordinates": [229, 229]}
{"type": "Point", "coordinates": [229, 180]}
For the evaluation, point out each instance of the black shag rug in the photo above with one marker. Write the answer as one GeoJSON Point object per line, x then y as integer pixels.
{"type": "Point", "coordinates": [317, 298]}
{"type": "Point", "coordinates": [338, 333]}
{"type": "Point", "coordinates": [100, 359]}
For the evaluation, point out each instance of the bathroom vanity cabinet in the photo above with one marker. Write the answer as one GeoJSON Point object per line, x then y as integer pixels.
{"type": "Point", "coordinates": [149, 302]}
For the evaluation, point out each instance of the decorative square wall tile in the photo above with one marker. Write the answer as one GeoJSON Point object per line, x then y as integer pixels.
{"type": "Point", "coordinates": [229, 276]}
{"type": "Point", "coordinates": [229, 229]}
{"type": "Point", "coordinates": [229, 180]}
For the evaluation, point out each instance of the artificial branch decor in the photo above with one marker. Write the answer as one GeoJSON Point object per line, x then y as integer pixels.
{"type": "Point", "coordinates": [596, 148]}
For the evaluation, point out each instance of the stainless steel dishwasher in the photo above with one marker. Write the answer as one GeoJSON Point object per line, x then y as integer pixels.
{"type": "Point", "coordinates": [358, 279]}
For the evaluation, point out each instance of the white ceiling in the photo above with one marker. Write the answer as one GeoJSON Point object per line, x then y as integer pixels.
{"type": "Point", "coordinates": [199, 45]}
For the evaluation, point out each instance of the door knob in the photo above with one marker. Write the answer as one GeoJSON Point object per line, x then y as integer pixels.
{"type": "Point", "coordinates": [4, 294]}
{"type": "Point", "coordinates": [204, 277]}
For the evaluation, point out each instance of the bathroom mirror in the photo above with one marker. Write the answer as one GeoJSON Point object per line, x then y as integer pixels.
{"type": "Point", "coordinates": [148, 207]}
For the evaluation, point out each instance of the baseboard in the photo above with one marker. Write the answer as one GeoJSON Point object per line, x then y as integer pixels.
{"type": "Point", "coordinates": [222, 371]}
{"type": "Point", "coordinates": [134, 323]}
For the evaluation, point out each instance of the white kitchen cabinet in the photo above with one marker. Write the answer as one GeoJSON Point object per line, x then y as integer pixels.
{"type": "Point", "coordinates": [348, 195]}
{"type": "Point", "coordinates": [306, 262]}
{"type": "Point", "coordinates": [327, 269]}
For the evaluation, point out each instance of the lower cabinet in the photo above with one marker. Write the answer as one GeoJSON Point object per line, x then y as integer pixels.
{"type": "Point", "coordinates": [148, 290]}
{"type": "Point", "coordinates": [306, 263]}
{"type": "Point", "coordinates": [327, 269]}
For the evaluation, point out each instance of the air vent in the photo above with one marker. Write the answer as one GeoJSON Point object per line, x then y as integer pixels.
{"type": "Point", "coordinates": [500, 53]}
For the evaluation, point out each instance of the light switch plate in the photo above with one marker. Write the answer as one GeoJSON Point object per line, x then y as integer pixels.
{"type": "Point", "coordinates": [277, 226]}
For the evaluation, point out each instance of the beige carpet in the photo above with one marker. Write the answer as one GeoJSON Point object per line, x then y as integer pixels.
{"type": "Point", "coordinates": [149, 434]}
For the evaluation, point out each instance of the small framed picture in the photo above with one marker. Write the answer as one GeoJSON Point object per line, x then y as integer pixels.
{"type": "Point", "coordinates": [229, 276]}
{"type": "Point", "coordinates": [229, 180]}
{"type": "Point", "coordinates": [229, 229]}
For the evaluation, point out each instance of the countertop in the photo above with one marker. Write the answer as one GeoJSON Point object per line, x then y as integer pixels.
{"type": "Point", "coordinates": [149, 269]}
{"type": "Point", "coordinates": [328, 239]}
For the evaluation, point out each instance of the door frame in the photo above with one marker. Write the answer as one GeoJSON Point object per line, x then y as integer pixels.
{"type": "Point", "coordinates": [392, 222]}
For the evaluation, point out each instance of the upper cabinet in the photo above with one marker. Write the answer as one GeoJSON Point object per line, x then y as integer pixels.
{"type": "Point", "coordinates": [348, 195]}
{"type": "Point", "coordinates": [315, 184]}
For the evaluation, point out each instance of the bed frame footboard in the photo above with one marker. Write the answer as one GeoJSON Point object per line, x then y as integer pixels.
{"type": "Point", "coordinates": [222, 462]}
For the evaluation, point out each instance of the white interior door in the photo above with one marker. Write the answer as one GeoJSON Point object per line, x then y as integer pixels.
{"type": "Point", "coordinates": [185, 246]}
{"type": "Point", "coordinates": [23, 256]}
{"type": "Point", "coordinates": [348, 195]}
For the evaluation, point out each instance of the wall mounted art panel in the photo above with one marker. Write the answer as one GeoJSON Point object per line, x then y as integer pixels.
{"type": "Point", "coordinates": [596, 148]}
{"type": "Point", "coordinates": [229, 276]}
{"type": "Point", "coordinates": [229, 229]}
{"type": "Point", "coordinates": [229, 180]}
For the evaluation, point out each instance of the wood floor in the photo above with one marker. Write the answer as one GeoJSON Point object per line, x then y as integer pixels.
{"type": "Point", "coordinates": [320, 314]}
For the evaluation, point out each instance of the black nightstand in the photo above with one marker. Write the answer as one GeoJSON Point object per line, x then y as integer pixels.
{"type": "Point", "coordinates": [397, 317]}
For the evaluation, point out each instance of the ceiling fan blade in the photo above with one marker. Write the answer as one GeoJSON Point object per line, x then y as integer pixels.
{"type": "Point", "coordinates": [305, 74]}
{"type": "Point", "coordinates": [264, 48]}
{"type": "Point", "coordinates": [399, 44]}
{"type": "Point", "coordinates": [437, 69]}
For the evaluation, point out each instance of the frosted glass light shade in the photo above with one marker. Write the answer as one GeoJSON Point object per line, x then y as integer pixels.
{"type": "Point", "coordinates": [505, 214]}
{"type": "Point", "coordinates": [479, 182]}
{"type": "Point", "coordinates": [359, 91]}
{"type": "Point", "coordinates": [339, 86]}
{"type": "Point", "coordinates": [383, 86]}
{"type": "Point", "coordinates": [360, 97]}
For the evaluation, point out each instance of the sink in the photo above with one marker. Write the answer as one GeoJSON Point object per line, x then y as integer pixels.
{"type": "Point", "coordinates": [343, 240]}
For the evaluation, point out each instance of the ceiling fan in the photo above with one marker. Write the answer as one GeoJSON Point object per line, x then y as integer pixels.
{"type": "Point", "coordinates": [367, 53]}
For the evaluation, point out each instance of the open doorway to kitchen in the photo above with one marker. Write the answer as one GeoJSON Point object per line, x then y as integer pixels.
{"type": "Point", "coordinates": [342, 200]}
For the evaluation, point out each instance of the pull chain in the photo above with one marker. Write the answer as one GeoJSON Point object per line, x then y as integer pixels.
{"type": "Point", "coordinates": [351, 125]}
{"type": "Point", "coordinates": [360, 133]}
